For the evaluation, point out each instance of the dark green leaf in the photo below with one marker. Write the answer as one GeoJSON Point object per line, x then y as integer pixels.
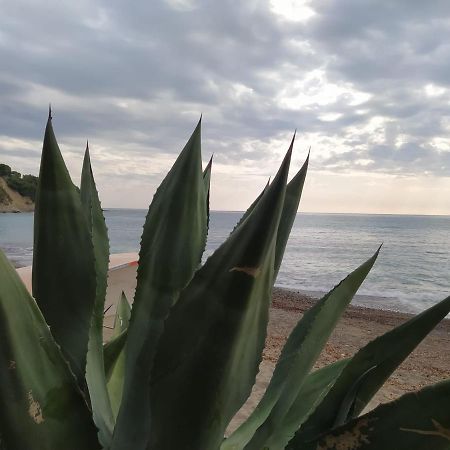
{"type": "Point", "coordinates": [302, 348]}
{"type": "Point", "coordinates": [312, 391]}
{"type": "Point", "coordinates": [293, 194]}
{"type": "Point", "coordinates": [207, 184]}
{"type": "Point", "coordinates": [95, 374]}
{"type": "Point", "coordinates": [42, 407]}
{"type": "Point", "coordinates": [63, 259]}
{"type": "Point", "coordinates": [116, 373]}
{"type": "Point", "coordinates": [173, 241]}
{"type": "Point", "coordinates": [212, 345]}
{"type": "Point", "coordinates": [372, 366]}
{"type": "Point", "coordinates": [417, 421]}
{"type": "Point", "coordinates": [112, 350]}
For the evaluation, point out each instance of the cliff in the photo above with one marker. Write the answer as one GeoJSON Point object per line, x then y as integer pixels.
{"type": "Point", "coordinates": [12, 201]}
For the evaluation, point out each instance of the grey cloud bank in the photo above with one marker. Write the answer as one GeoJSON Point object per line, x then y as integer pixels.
{"type": "Point", "coordinates": [366, 83]}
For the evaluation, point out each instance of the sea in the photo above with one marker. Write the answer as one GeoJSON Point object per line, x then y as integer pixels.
{"type": "Point", "coordinates": [412, 271]}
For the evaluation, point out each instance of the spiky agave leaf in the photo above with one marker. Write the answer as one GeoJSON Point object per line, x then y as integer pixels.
{"type": "Point", "coordinates": [368, 370]}
{"type": "Point", "coordinates": [172, 244]}
{"type": "Point", "coordinates": [292, 200]}
{"type": "Point", "coordinates": [207, 184]}
{"type": "Point", "coordinates": [293, 195]}
{"type": "Point", "coordinates": [64, 283]}
{"type": "Point", "coordinates": [212, 345]}
{"type": "Point", "coordinates": [116, 373]}
{"type": "Point", "coordinates": [297, 358]}
{"type": "Point", "coordinates": [416, 421]}
{"type": "Point", "coordinates": [42, 406]}
{"type": "Point", "coordinates": [313, 390]}
{"type": "Point", "coordinates": [95, 374]}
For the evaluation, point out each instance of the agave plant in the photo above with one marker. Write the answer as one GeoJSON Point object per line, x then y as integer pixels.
{"type": "Point", "coordinates": [184, 359]}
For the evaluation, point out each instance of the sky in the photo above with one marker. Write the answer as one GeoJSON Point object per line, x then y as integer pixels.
{"type": "Point", "coordinates": [366, 84]}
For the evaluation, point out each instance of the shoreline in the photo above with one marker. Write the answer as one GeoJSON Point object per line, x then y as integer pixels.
{"type": "Point", "coordinates": [292, 299]}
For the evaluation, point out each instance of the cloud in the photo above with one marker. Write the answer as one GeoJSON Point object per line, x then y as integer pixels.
{"type": "Point", "coordinates": [365, 83]}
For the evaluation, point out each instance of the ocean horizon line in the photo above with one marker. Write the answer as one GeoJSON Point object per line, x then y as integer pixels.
{"type": "Point", "coordinates": [106, 208]}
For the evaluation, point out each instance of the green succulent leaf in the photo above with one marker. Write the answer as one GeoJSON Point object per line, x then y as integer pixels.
{"type": "Point", "coordinates": [419, 420]}
{"type": "Point", "coordinates": [207, 184]}
{"type": "Point", "coordinates": [368, 370]}
{"type": "Point", "coordinates": [111, 352]}
{"type": "Point", "coordinates": [116, 371]}
{"type": "Point", "coordinates": [302, 348]}
{"type": "Point", "coordinates": [42, 406]}
{"type": "Point", "coordinates": [172, 244]}
{"type": "Point", "coordinates": [122, 317]}
{"type": "Point", "coordinates": [64, 283]}
{"type": "Point", "coordinates": [313, 390]}
{"type": "Point", "coordinates": [210, 351]}
{"type": "Point", "coordinates": [113, 348]}
{"type": "Point", "coordinates": [95, 373]}
{"type": "Point", "coordinates": [292, 200]}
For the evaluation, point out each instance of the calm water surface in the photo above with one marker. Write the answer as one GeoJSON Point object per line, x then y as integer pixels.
{"type": "Point", "coordinates": [412, 271]}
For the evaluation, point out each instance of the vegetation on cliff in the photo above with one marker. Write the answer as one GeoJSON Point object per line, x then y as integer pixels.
{"type": "Point", "coordinates": [25, 185]}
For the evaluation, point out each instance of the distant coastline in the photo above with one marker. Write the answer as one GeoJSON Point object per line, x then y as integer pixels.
{"type": "Point", "coordinates": [17, 191]}
{"type": "Point", "coordinates": [13, 202]}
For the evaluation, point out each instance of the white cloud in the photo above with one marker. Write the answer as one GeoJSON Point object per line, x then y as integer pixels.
{"type": "Point", "coordinates": [364, 83]}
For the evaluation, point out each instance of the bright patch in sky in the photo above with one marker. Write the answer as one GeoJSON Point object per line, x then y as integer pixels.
{"type": "Point", "coordinates": [434, 91]}
{"type": "Point", "coordinates": [293, 10]}
{"type": "Point", "coordinates": [316, 89]}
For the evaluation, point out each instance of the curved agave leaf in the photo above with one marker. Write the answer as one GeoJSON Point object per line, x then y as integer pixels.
{"type": "Point", "coordinates": [63, 258]}
{"type": "Point", "coordinates": [207, 184]}
{"type": "Point", "coordinates": [42, 407]}
{"type": "Point", "coordinates": [292, 200]}
{"type": "Point", "coordinates": [369, 369]}
{"type": "Point", "coordinates": [95, 373]}
{"type": "Point", "coordinates": [313, 390]}
{"type": "Point", "coordinates": [173, 241]}
{"type": "Point", "coordinates": [112, 351]}
{"type": "Point", "coordinates": [116, 373]}
{"type": "Point", "coordinates": [302, 348]}
{"type": "Point", "coordinates": [114, 348]}
{"type": "Point", "coordinates": [416, 421]}
{"type": "Point", "coordinates": [212, 345]}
